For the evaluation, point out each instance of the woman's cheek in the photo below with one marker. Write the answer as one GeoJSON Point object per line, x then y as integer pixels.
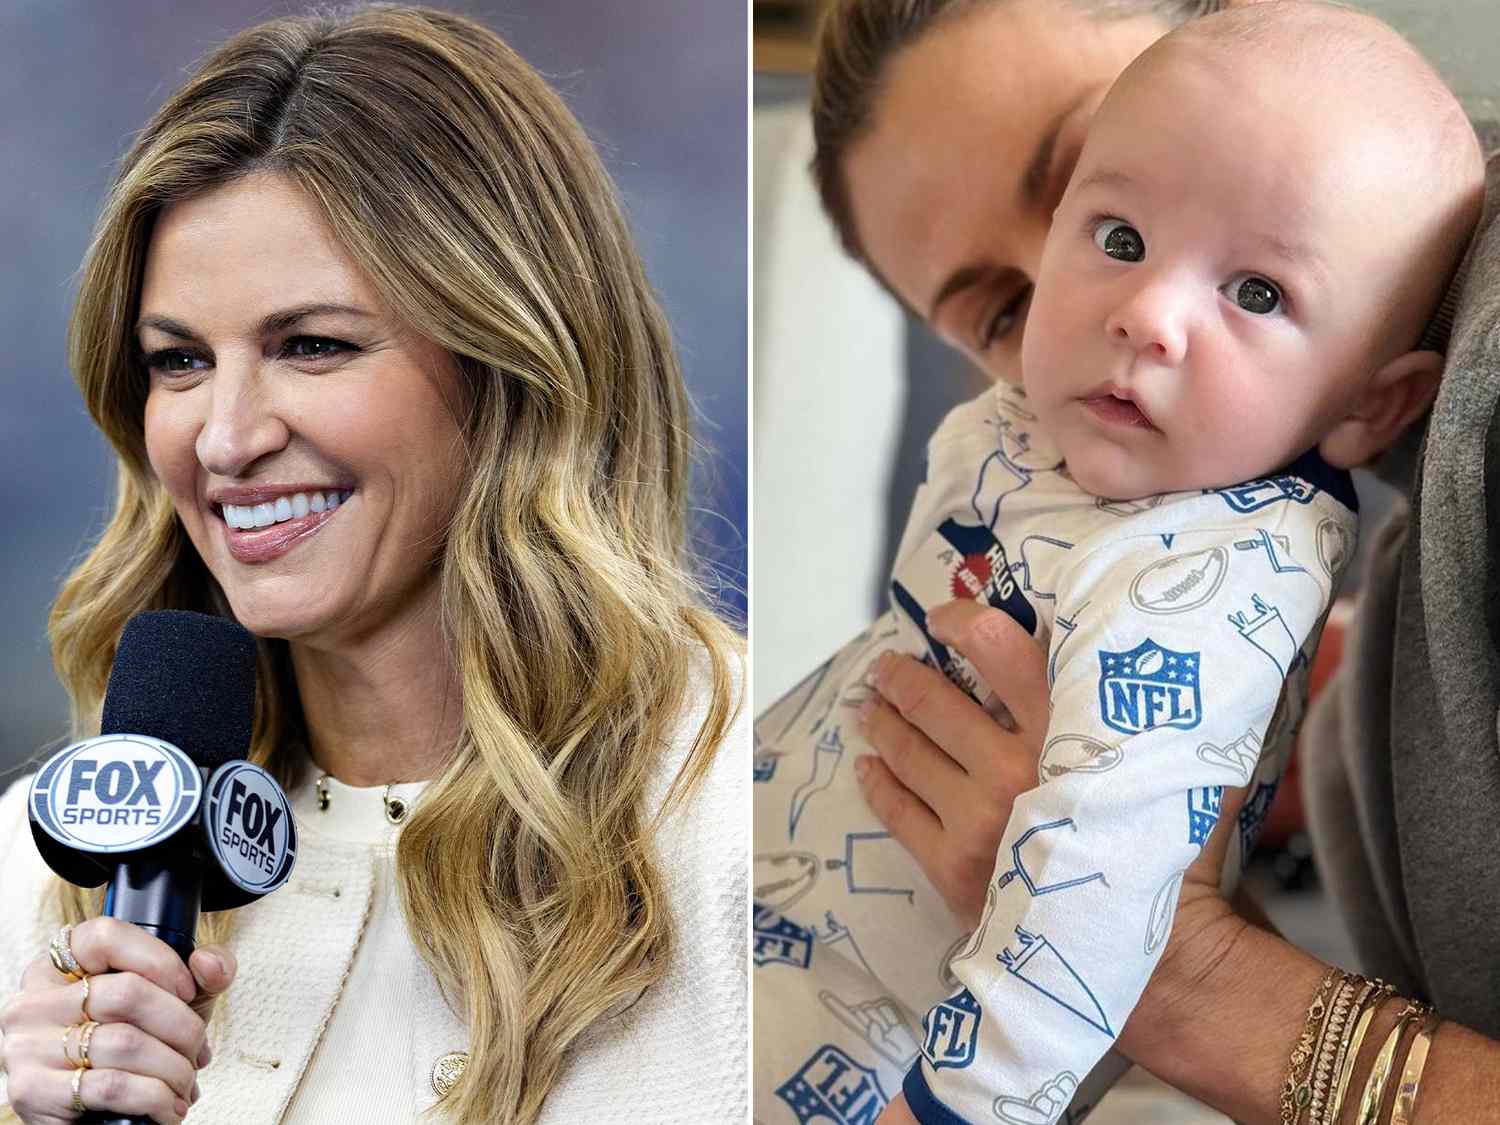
{"type": "Point", "coordinates": [170, 447]}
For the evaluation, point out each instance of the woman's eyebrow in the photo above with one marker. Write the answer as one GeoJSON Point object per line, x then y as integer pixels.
{"type": "Point", "coordinates": [1034, 179]}
{"type": "Point", "coordinates": [1033, 183]}
{"type": "Point", "coordinates": [269, 324]}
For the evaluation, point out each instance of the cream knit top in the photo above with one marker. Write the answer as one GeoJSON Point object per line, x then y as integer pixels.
{"type": "Point", "coordinates": [334, 1016]}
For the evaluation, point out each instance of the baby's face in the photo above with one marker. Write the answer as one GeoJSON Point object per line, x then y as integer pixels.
{"type": "Point", "coordinates": [1213, 285]}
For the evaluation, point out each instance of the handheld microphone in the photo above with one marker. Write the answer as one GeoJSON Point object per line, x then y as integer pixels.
{"type": "Point", "coordinates": [163, 805]}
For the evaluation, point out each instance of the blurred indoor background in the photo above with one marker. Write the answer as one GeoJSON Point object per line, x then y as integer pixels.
{"type": "Point", "coordinates": [660, 85]}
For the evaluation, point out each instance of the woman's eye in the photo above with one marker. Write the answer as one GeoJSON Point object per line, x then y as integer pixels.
{"type": "Point", "coordinates": [314, 347]}
{"type": "Point", "coordinates": [172, 361]}
{"type": "Point", "coordinates": [1004, 320]}
{"type": "Point", "coordinates": [1119, 240]}
{"type": "Point", "coordinates": [1254, 294]}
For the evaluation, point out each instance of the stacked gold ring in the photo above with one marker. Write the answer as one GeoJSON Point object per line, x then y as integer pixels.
{"type": "Point", "coordinates": [78, 1106]}
{"type": "Point", "coordinates": [85, 1033]}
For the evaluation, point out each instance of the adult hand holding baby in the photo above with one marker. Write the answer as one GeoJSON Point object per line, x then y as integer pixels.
{"type": "Point", "coordinates": [948, 771]}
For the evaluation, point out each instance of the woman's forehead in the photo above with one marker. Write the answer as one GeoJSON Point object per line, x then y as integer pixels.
{"type": "Point", "coordinates": [961, 117]}
{"type": "Point", "coordinates": [257, 242]}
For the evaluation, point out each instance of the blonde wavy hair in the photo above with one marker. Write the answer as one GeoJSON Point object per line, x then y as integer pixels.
{"type": "Point", "coordinates": [461, 184]}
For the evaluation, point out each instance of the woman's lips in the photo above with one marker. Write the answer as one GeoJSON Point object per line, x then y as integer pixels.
{"type": "Point", "coordinates": [266, 543]}
{"type": "Point", "coordinates": [1118, 411]}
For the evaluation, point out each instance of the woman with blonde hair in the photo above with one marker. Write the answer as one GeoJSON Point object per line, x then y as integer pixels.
{"type": "Point", "coordinates": [387, 385]}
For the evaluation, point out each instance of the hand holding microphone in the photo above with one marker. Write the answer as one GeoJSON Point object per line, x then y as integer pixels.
{"type": "Point", "coordinates": [163, 806]}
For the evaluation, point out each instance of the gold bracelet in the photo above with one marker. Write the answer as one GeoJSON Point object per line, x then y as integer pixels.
{"type": "Point", "coordinates": [1296, 1092]}
{"type": "Point", "coordinates": [1370, 1003]}
{"type": "Point", "coordinates": [1340, 1019]}
{"type": "Point", "coordinates": [1380, 1073]}
{"type": "Point", "coordinates": [1405, 1108]}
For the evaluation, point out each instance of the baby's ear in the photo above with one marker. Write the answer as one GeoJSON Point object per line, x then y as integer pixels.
{"type": "Point", "coordinates": [1395, 397]}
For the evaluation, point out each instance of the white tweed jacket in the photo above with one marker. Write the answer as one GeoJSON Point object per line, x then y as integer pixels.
{"type": "Point", "coordinates": [679, 1054]}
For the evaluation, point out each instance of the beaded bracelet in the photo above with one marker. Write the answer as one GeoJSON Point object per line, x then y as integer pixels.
{"type": "Point", "coordinates": [1352, 993]}
{"type": "Point", "coordinates": [1296, 1091]}
{"type": "Point", "coordinates": [1379, 993]}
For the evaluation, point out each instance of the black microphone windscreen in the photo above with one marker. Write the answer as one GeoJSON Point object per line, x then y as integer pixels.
{"type": "Point", "coordinates": [186, 678]}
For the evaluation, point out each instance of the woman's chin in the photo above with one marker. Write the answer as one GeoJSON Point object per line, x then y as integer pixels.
{"type": "Point", "coordinates": [280, 621]}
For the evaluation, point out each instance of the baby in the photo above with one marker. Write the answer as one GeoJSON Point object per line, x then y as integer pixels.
{"type": "Point", "coordinates": [1262, 221]}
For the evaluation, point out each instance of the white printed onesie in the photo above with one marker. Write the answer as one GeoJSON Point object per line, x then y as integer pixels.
{"type": "Point", "coordinates": [1179, 629]}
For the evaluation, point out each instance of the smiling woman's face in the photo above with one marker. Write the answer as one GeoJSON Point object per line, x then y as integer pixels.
{"type": "Point", "coordinates": [973, 137]}
{"type": "Point", "coordinates": [284, 396]}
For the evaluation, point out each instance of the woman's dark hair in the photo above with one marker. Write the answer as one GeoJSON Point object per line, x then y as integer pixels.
{"type": "Point", "coordinates": [856, 41]}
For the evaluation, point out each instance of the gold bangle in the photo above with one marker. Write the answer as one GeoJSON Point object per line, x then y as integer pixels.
{"type": "Point", "coordinates": [1380, 1073]}
{"type": "Point", "coordinates": [1349, 1049]}
{"type": "Point", "coordinates": [1296, 1092]}
{"type": "Point", "coordinates": [1405, 1108]}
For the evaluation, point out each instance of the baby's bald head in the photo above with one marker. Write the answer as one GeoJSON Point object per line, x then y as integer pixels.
{"type": "Point", "coordinates": [1372, 121]}
{"type": "Point", "coordinates": [1266, 213]}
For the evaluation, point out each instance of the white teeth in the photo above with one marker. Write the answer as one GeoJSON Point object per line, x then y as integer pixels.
{"type": "Point", "coordinates": [283, 508]}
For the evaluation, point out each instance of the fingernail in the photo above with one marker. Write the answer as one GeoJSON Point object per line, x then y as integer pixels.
{"type": "Point", "coordinates": [862, 766]}
{"type": "Point", "coordinates": [865, 710]}
{"type": "Point", "coordinates": [217, 963]}
{"type": "Point", "coordinates": [197, 1093]}
{"type": "Point", "coordinates": [205, 1056]}
{"type": "Point", "coordinates": [937, 627]}
{"type": "Point", "coordinates": [181, 1107]}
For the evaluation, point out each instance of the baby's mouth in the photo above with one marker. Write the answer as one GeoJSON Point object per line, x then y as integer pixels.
{"type": "Point", "coordinates": [1118, 410]}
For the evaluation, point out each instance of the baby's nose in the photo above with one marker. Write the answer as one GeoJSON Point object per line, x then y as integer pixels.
{"type": "Point", "coordinates": [1153, 322]}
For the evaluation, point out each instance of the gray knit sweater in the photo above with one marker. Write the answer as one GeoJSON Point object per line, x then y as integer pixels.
{"type": "Point", "coordinates": [1402, 753]}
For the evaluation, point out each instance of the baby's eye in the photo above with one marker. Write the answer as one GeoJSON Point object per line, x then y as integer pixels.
{"type": "Point", "coordinates": [1119, 240]}
{"type": "Point", "coordinates": [1254, 294]}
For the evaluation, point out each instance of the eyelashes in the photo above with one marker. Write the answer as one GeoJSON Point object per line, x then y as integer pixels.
{"type": "Point", "coordinates": [1253, 292]}
{"type": "Point", "coordinates": [1002, 322]}
{"type": "Point", "coordinates": [304, 349]}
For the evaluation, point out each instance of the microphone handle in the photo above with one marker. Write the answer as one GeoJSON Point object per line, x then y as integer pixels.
{"type": "Point", "coordinates": [159, 892]}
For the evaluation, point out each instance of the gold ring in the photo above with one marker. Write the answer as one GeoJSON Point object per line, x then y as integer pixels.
{"type": "Point", "coordinates": [57, 963]}
{"type": "Point", "coordinates": [83, 1043]}
{"type": "Point", "coordinates": [67, 1051]}
{"type": "Point", "coordinates": [83, 1005]}
{"type": "Point", "coordinates": [78, 1106]}
{"type": "Point", "coordinates": [62, 953]}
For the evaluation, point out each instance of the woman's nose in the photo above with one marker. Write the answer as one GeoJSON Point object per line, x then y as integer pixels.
{"type": "Point", "coordinates": [1153, 322]}
{"type": "Point", "coordinates": [242, 424]}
